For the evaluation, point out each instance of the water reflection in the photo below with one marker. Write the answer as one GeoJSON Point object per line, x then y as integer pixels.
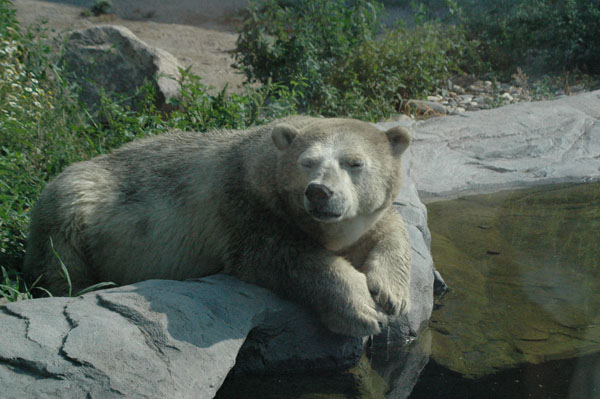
{"type": "Point", "coordinates": [400, 366]}
{"type": "Point", "coordinates": [385, 370]}
{"type": "Point", "coordinates": [558, 379]}
{"type": "Point", "coordinates": [523, 267]}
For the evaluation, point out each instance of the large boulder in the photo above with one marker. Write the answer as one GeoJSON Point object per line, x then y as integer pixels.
{"type": "Point", "coordinates": [515, 146]}
{"type": "Point", "coordinates": [423, 273]}
{"type": "Point", "coordinates": [154, 339]}
{"type": "Point", "coordinates": [111, 59]}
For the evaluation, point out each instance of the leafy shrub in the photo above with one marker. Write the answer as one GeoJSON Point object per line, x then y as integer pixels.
{"type": "Point", "coordinates": [329, 53]}
{"type": "Point", "coordinates": [301, 43]}
{"type": "Point", "coordinates": [34, 142]}
{"type": "Point", "coordinates": [101, 7]}
{"type": "Point", "coordinates": [407, 63]}
{"type": "Point", "coordinates": [202, 109]}
{"type": "Point", "coordinates": [546, 35]}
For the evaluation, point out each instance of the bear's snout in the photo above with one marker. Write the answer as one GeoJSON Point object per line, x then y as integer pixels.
{"type": "Point", "coordinates": [322, 203]}
{"type": "Point", "coordinates": [318, 194]}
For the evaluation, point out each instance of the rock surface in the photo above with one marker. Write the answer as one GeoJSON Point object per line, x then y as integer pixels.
{"type": "Point", "coordinates": [111, 58]}
{"type": "Point", "coordinates": [514, 146]}
{"type": "Point", "coordinates": [154, 339]}
{"type": "Point", "coordinates": [422, 276]}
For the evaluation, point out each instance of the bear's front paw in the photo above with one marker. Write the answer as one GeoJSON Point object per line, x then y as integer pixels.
{"type": "Point", "coordinates": [359, 323]}
{"type": "Point", "coordinates": [393, 299]}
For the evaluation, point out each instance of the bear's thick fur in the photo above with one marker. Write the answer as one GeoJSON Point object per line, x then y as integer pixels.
{"type": "Point", "coordinates": [302, 207]}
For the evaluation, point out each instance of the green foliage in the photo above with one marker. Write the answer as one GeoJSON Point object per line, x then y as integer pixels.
{"type": "Point", "coordinates": [282, 41]}
{"type": "Point", "coordinates": [35, 119]}
{"type": "Point", "coordinates": [328, 52]}
{"type": "Point", "coordinates": [101, 7]}
{"type": "Point", "coordinates": [200, 109]}
{"type": "Point", "coordinates": [406, 63]}
{"type": "Point", "coordinates": [12, 288]}
{"type": "Point", "coordinates": [301, 44]}
{"type": "Point", "coordinates": [8, 22]}
{"type": "Point", "coordinates": [544, 35]}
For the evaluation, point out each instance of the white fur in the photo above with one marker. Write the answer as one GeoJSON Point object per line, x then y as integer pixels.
{"type": "Point", "coordinates": [184, 205]}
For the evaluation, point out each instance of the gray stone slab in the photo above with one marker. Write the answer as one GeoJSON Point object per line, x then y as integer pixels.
{"type": "Point", "coordinates": [514, 146]}
{"type": "Point", "coordinates": [156, 339]}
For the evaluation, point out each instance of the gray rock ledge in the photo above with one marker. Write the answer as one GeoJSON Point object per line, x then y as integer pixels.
{"type": "Point", "coordinates": [154, 339]}
{"type": "Point", "coordinates": [515, 146]}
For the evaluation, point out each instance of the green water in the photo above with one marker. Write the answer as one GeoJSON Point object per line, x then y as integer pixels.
{"type": "Point", "coordinates": [521, 319]}
{"type": "Point", "coordinates": [524, 268]}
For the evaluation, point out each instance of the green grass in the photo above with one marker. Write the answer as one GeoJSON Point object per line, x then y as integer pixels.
{"type": "Point", "coordinates": [67, 277]}
{"type": "Point", "coordinates": [12, 287]}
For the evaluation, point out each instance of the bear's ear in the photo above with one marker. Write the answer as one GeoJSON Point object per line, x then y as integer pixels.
{"type": "Point", "coordinates": [283, 135]}
{"type": "Point", "coordinates": [399, 138]}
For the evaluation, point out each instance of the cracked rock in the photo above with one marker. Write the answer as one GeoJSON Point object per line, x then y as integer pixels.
{"type": "Point", "coordinates": [154, 339]}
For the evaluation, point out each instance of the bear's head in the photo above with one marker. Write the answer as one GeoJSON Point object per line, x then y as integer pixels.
{"type": "Point", "coordinates": [333, 171]}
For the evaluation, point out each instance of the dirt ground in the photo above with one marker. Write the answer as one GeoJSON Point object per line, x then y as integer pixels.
{"type": "Point", "coordinates": [199, 33]}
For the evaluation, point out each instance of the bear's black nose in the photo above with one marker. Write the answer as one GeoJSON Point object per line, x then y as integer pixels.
{"type": "Point", "coordinates": [317, 193]}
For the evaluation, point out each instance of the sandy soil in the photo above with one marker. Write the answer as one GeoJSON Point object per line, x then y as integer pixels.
{"type": "Point", "coordinates": [199, 33]}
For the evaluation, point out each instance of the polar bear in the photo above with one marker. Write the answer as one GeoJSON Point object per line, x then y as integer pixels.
{"type": "Point", "coordinates": [302, 206]}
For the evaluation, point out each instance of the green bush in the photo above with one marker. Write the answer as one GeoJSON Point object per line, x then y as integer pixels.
{"type": "Point", "coordinates": [202, 109]}
{"type": "Point", "coordinates": [101, 7]}
{"type": "Point", "coordinates": [300, 44]}
{"type": "Point", "coordinates": [407, 63]}
{"type": "Point", "coordinates": [327, 50]}
{"type": "Point", "coordinates": [35, 141]}
{"type": "Point", "coordinates": [543, 35]}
